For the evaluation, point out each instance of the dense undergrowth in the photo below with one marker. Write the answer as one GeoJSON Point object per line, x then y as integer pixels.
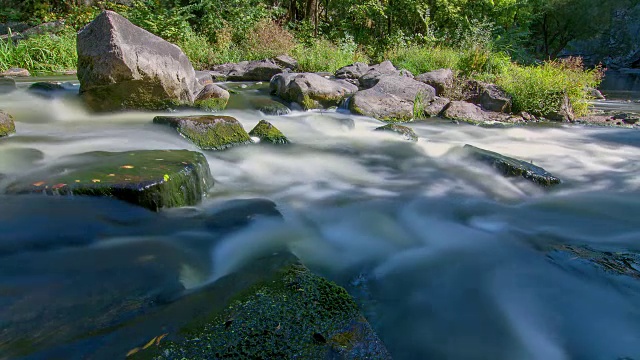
{"type": "Point", "coordinates": [255, 34]}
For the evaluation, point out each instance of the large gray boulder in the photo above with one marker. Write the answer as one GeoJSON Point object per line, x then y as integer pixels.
{"type": "Point", "coordinates": [489, 96]}
{"type": "Point", "coordinates": [121, 66]}
{"type": "Point", "coordinates": [441, 80]}
{"type": "Point", "coordinates": [353, 71]}
{"type": "Point", "coordinates": [464, 111]}
{"type": "Point", "coordinates": [7, 126]}
{"type": "Point", "coordinates": [392, 99]}
{"type": "Point", "coordinates": [376, 72]}
{"type": "Point", "coordinates": [310, 90]}
{"type": "Point", "coordinates": [259, 70]}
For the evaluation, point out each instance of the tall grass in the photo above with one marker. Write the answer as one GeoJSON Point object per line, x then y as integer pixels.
{"type": "Point", "coordinates": [322, 55]}
{"type": "Point", "coordinates": [44, 53]}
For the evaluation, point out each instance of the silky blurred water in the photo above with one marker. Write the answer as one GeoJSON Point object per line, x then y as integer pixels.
{"type": "Point", "coordinates": [448, 259]}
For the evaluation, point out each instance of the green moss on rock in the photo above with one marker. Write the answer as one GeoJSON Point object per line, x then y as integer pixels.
{"type": "Point", "coordinates": [211, 104]}
{"type": "Point", "coordinates": [208, 132]}
{"type": "Point", "coordinates": [7, 126]}
{"type": "Point", "coordinates": [289, 313]}
{"type": "Point", "coordinates": [153, 179]}
{"type": "Point", "coordinates": [268, 133]}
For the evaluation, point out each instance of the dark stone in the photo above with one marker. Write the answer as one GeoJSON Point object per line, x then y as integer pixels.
{"type": "Point", "coordinates": [353, 71]}
{"type": "Point", "coordinates": [464, 111]}
{"type": "Point", "coordinates": [493, 98]}
{"type": "Point", "coordinates": [7, 126]}
{"type": "Point", "coordinates": [154, 179]}
{"type": "Point", "coordinates": [208, 132]}
{"type": "Point", "coordinates": [510, 167]}
{"type": "Point", "coordinates": [441, 80]}
{"type": "Point", "coordinates": [393, 98]}
{"type": "Point", "coordinates": [7, 85]}
{"type": "Point", "coordinates": [310, 90]}
{"type": "Point", "coordinates": [259, 70]}
{"type": "Point", "coordinates": [286, 62]}
{"type": "Point", "coordinates": [627, 118]}
{"type": "Point", "coordinates": [269, 106]}
{"type": "Point", "coordinates": [51, 89]}
{"type": "Point", "coordinates": [204, 77]}
{"type": "Point", "coordinates": [237, 214]}
{"type": "Point", "coordinates": [406, 132]}
{"type": "Point", "coordinates": [121, 66]}
{"type": "Point", "coordinates": [434, 108]}
{"type": "Point", "coordinates": [376, 72]}
{"type": "Point", "coordinates": [268, 133]}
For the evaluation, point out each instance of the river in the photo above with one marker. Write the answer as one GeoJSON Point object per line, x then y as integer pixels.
{"type": "Point", "coordinates": [447, 259]}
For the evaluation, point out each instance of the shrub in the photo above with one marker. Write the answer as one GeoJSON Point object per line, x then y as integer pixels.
{"type": "Point", "coordinates": [419, 59]}
{"type": "Point", "coordinates": [267, 40]}
{"type": "Point", "coordinates": [540, 89]}
{"type": "Point", "coordinates": [44, 53]}
{"type": "Point", "coordinates": [322, 55]}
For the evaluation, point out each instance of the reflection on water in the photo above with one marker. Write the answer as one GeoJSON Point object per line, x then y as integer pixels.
{"type": "Point", "coordinates": [448, 259]}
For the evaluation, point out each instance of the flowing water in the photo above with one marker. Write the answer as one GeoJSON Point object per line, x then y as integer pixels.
{"type": "Point", "coordinates": [447, 259]}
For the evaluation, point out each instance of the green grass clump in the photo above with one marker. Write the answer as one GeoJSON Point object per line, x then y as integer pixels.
{"type": "Point", "coordinates": [421, 59]}
{"type": "Point", "coordinates": [540, 89]}
{"type": "Point", "coordinates": [322, 55]}
{"type": "Point", "coordinates": [44, 53]}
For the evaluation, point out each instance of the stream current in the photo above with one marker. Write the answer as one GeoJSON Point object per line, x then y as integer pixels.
{"type": "Point", "coordinates": [448, 259]}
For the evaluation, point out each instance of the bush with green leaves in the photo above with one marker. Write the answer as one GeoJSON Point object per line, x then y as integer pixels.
{"type": "Point", "coordinates": [322, 55]}
{"type": "Point", "coordinates": [44, 53]}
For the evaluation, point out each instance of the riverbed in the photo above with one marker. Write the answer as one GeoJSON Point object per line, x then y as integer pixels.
{"type": "Point", "coordinates": [446, 258]}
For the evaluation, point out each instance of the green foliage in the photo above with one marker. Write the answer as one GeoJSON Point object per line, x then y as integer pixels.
{"type": "Point", "coordinates": [42, 53]}
{"type": "Point", "coordinates": [421, 59]}
{"type": "Point", "coordinates": [322, 55]}
{"type": "Point", "coordinates": [539, 89]}
{"type": "Point", "coordinates": [170, 23]}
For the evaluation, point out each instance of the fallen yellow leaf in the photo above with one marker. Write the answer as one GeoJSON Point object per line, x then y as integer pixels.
{"type": "Point", "coordinates": [160, 338]}
{"type": "Point", "coordinates": [111, 175]}
{"type": "Point", "coordinates": [151, 342]}
{"type": "Point", "coordinates": [96, 180]}
{"type": "Point", "coordinates": [133, 351]}
{"type": "Point", "coordinates": [126, 167]}
{"type": "Point", "coordinates": [39, 183]}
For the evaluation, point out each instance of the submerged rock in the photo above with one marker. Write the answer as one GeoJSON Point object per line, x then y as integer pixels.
{"type": "Point", "coordinates": [441, 80]}
{"type": "Point", "coordinates": [258, 70]}
{"type": "Point", "coordinates": [51, 89]}
{"type": "Point", "coordinates": [393, 98]}
{"type": "Point", "coordinates": [7, 126]}
{"type": "Point", "coordinates": [237, 214]}
{"type": "Point", "coordinates": [121, 66]}
{"type": "Point", "coordinates": [16, 72]}
{"type": "Point", "coordinates": [268, 133]}
{"type": "Point", "coordinates": [310, 90]}
{"type": "Point", "coordinates": [273, 309]}
{"type": "Point", "coordinates": [269, 106]}
{"type": "Point", "coordinates": [511, 167]}
{"type": "Point", "coordinates": [406, 132]}
{"type": "Point", "coordinates": [154, 179]}
{"type": "Point", "coordinates": [7, 85]}
{"type": "Point", "coordinates": [208, 132]}
{"type": "Point", "coordinates": [212, 98]}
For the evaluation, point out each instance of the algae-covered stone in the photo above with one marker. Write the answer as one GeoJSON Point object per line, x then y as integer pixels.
{"type": "Point", "coordinates": [268, 133]}
{"type": "Point", "coordinates": [7, 126]}
{"type": "Point", "coordinates": [511, 167]}
{"type": "Point", "coordinates": [153, 179]}
{"type": "Point", "coordinates": [269, 106]}
{"type": "Point", "coordinates": [283, 312]}
{"type": "Point", "coordinates": [212, 98]}
{"type": "Point", "coordinates": [208, 132]}
{"type": "Point", "coordinates": [406, 132]}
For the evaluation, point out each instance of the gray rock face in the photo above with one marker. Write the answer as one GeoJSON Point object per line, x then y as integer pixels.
{"type": "Point", "coordinates": [204, 78]}
{"type": "Point", "coordinates": [434, 108]}
{"type": "Point", "coordinates": [310, 90]}
{"type": "Point", "coordinates": [462, 110]}
{"type": "Point", "coordinates": [596, 94]}
{"type": "Point", "coordinates": [286, 62]}
{"type": "Point", "coordinates": [7, 85]}
{"type": "Point", "coordinates": [392, 98]}
{"type": "Point", "coordinates": [259, 70]}
{"type": "Point", "coordinates": [353, 71]}
{"type": "Point", "coordinates": [406, 132]}
{"type": "Point", "coordinates": [7, 126]}
{"type": "Point", "coordinates": [493, 98]}
{"type": "Point", "coordinates": [376, 72]}
{"type": "Point", "coordinates": [269, 106]}
{"type": "Point", "coordinates": [212, 97]}
{"type": "Point", "coordinates": [121, 66]}
{"type": "Point", "coordinates": [441, 80]}
{"type": "Point", "coordinates": [510, 167]}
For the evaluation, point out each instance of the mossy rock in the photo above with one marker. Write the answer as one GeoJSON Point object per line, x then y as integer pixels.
{"type": "Point", "coordinates": [283, 312]}
{"type": "Point", "coordinates": [268, 133]}
{"type": "Point", "coordinates": [406, 132]}
{"type": "Point", "coordinates": [212, 104]}
{"type": "Point", "coordinates": [510, 167]}
{"type": "Point", "coordinates": [7, 126]}
{"type": "Point", "coordinates": [153, 179]}
{"type": "Point", "coordinates": [269, 106]}
{"type": "Point", "coordinates": [208, 132]}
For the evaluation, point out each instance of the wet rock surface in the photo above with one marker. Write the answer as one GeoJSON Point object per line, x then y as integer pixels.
{"type": "Point", "coordinates": [310, 90]}
{"type": "Point", "coordinates": [406, 132]}
{"type": "Point", "coordinates": [7, 125]}
{"type": "Point", "coordinates": [268, 133]}
{"type": "Point", "coordinates": [511, 167]}
{"type": "Point", "coordinates": [7, 85]}
{"type": "Point", "coordinates": [212, 98]}
{"type": "Point", "coordinates": [154, 179]}
{"type": "Point", "coordinates": [208, 132]}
